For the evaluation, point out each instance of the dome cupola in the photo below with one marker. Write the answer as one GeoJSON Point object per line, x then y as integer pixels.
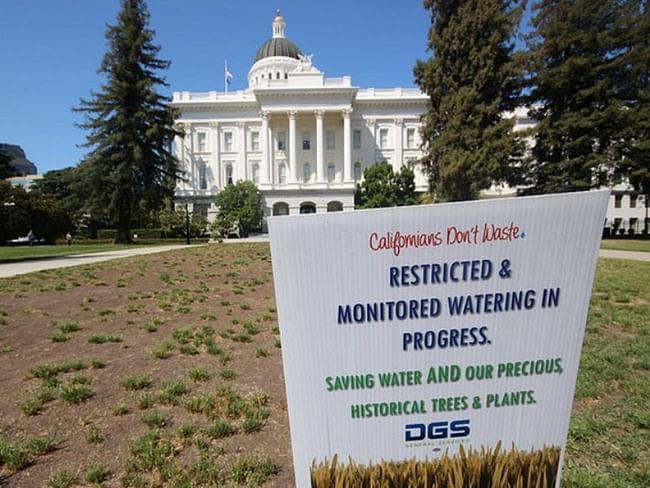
{"type": "Point", "coordinates": [277, 57]}
{"type": "Point", "coordinates": [278, 45]}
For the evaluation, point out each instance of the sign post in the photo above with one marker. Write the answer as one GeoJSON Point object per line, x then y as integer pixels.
{"type": "Point", "coordinates": [435, 337]}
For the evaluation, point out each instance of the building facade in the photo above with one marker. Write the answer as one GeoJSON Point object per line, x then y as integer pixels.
{"type": "Point", "coordinates": [305, 139]}
{"type": "Point", "coordinates": [302, 138]}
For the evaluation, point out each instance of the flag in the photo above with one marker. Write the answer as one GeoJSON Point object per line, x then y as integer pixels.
{"type": "Point", "coordinates": [228, 75]}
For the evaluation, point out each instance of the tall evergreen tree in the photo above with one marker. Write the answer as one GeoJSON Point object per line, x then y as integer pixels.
{"type": "Point", "coordinates": [633, 162]}
{"type": "Point", "coordinates": [125, 175]}
{"type": "Point", "coordinates": [580, 92]}
{"type": "Point", "coordinates": [473, 77]}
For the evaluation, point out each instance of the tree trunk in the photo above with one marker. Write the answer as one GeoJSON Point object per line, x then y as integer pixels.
{"type": "Point", "coordinates": [123, 236]}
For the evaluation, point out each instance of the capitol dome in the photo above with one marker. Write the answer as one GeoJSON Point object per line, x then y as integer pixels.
{"type": "Point", "coordinates": [275, 58]}
{"type": "Point", "coordinates": [278, 46]}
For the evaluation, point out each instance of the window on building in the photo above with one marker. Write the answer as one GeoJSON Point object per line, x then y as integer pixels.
{"type": "Point", "coordinates": [255, 141]}
{"type": "Point", "coordinates": [202, 141]}
{"type": "Point", "coordinates": [331, 172]}
{"type": "Point", "coordinates": [255, 172]}
{"type": "Point", "coordinates": [277, 75]}
{"type": "Point", "coordinates": [282, 173]}
{"type": "Point", "coordinates": [228, 174]}
{"type": "Point", "coordinates": [632, 201]}
{"type": "Point", "coordinates": [203, 176]}
{"type": "Point", "coordinates": [357, 171]}
{"type": "Point", "coordinates": [306, 173]}
{"type": "Point", "coordinates": [410, 138]}
{"type": "Point", "coordinates": [617, 201]}
{"type": "Point", "coordinates": [201, 209]}
{"type": "Point", "coordinates": [282, 141]}
{"type": "Point", "coordinates": [227, 141]}
{"type": "Point", "coordinates": [617, 224]}
{"type": "Point", "coordinates": [356, 139]}
{"type": "Point", "coordinates": [383, 138]}
{"type": "Point", "coordinates": [306, 141]}
{"type": "Point", "coordinates": [286, 76]}
{"type": "Point", "coordinates": [331, 140]}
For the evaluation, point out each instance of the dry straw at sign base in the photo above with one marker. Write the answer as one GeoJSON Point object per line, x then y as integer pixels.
{"type": "Point", "coordinates": [487, 468]}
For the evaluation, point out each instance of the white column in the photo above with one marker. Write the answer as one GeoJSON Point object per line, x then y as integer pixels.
{"type": "Point", "coordinates": [372, 126]}
{"type": "Point", "coordinates": [291, 143]}
{"type": "Point", "coordinates": [216, 157]}
{"type": "Point", "coordinates": [180, 155]}
{"type": "Point", "coordinates": [241, 139]}
{"type": "Point", "coordinates": [347, 155]}
{"type": "Point", "coordinates": [320, 170]}
{"type": "Point", "coordinates": [266, 159]}
{"type": "Point", "coordinates": [191, 158]}
{"type": "Point", "coordinates": [398, 156]}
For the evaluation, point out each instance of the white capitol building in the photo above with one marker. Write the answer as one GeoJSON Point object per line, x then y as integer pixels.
{"type": "Point", "coordinates": [302, 138]}
{"type": "Point", "coordinates": [305, 139]}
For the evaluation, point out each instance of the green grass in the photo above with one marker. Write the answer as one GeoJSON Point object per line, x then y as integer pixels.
{"type": "Point", "coordinates": [252, 469]}
{"type": "Point", "coordinates": [609, 435]}
{"type": "Point", "coordinates": [17, 454]}
{"type": "Point", "coordinates": [626, 245]}
{"type": "Point", "coordinates": [25, 253]}
{"type": "Point", "coordinates": [102, 339]}
{"type": "Point", "coordinates": [137, 381]}
{"type": "Point", "coordinates": [97, 473]}
{"type": "Point", "coordinates": [63, 479]}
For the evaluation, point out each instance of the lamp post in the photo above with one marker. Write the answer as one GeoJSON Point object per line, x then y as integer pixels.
{"type": "Point", "coordinates": [187, 225]}
{"type": "Point", "coordinates": [9, 206]}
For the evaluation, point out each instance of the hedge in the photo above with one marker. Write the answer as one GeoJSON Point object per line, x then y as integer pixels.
{"type": "Point", "coordinates": [141, 233]}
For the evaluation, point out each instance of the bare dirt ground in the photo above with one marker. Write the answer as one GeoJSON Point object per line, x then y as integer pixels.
{"type": "Point", "coordinates": [208, 309]}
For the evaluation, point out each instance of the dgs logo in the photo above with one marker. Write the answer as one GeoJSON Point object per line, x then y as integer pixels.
{"type": "Point", "coordinates": [437, 430]}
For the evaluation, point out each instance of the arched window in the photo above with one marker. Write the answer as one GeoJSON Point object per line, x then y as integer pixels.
{"type": "Point", "coordinates": [357, 171]}
{"type": "Point", "coordinates": [334, 206]}
{"type": "Point", "coordinates": [281, 208]}
{"type": "Point", "coordinates": [256, 173]}
{"type": "Point", "coordinates": [286, 76]}
{"type": "Point", "coordinates": [282, 173]}
{"type": "Point", "coordinates": [307, 208]}
{"type": "Point", "coordinates": [306, 173]}
{"type": "Point", "coordinates": [277, 75]}
{"type": "Point", "coordinates": [331, 173]}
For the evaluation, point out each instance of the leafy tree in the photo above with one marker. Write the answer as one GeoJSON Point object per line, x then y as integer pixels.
{"type": "Point", "coordinates": [240, 205]}
{"type": "Point", "coordinates": [127, 172]}
{"type": "Point", "coordinates": [61, 185]}
{"type": "Point", "coordinates": [381, 187]}
{"type": "Point", "coordinates": [584, 93]}
{"type": "Point", "coordinates": [6, 169]}
{"type": "Point", "coordinates": [174, 223]}
{"type": "Point", "coordinates": [473, 77]}
{"type": "Point", "coordinates": [41, 214]}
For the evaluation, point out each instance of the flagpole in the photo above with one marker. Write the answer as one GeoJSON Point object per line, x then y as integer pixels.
{"type": "Point", "coordinates": [225, 76]}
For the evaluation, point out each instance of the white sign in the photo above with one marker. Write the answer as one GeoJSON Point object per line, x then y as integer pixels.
{"type": "Point", "coordinates": [409, 331]}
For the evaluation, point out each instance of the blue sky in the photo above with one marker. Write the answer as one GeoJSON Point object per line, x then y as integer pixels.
{"type": "Point", "coordinates": [50, 51]}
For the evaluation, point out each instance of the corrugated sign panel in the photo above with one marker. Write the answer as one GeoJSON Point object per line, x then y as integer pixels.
{"type": "Point", "coordinates": [408, 332]}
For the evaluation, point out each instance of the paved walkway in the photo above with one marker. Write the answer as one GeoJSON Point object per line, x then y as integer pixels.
{"type": "Point", "coordinates": [12, 269]}
{"type": "Point", "coordinates": [635, 255]}
{"type": "Point", "coordinates": [22, 267]}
